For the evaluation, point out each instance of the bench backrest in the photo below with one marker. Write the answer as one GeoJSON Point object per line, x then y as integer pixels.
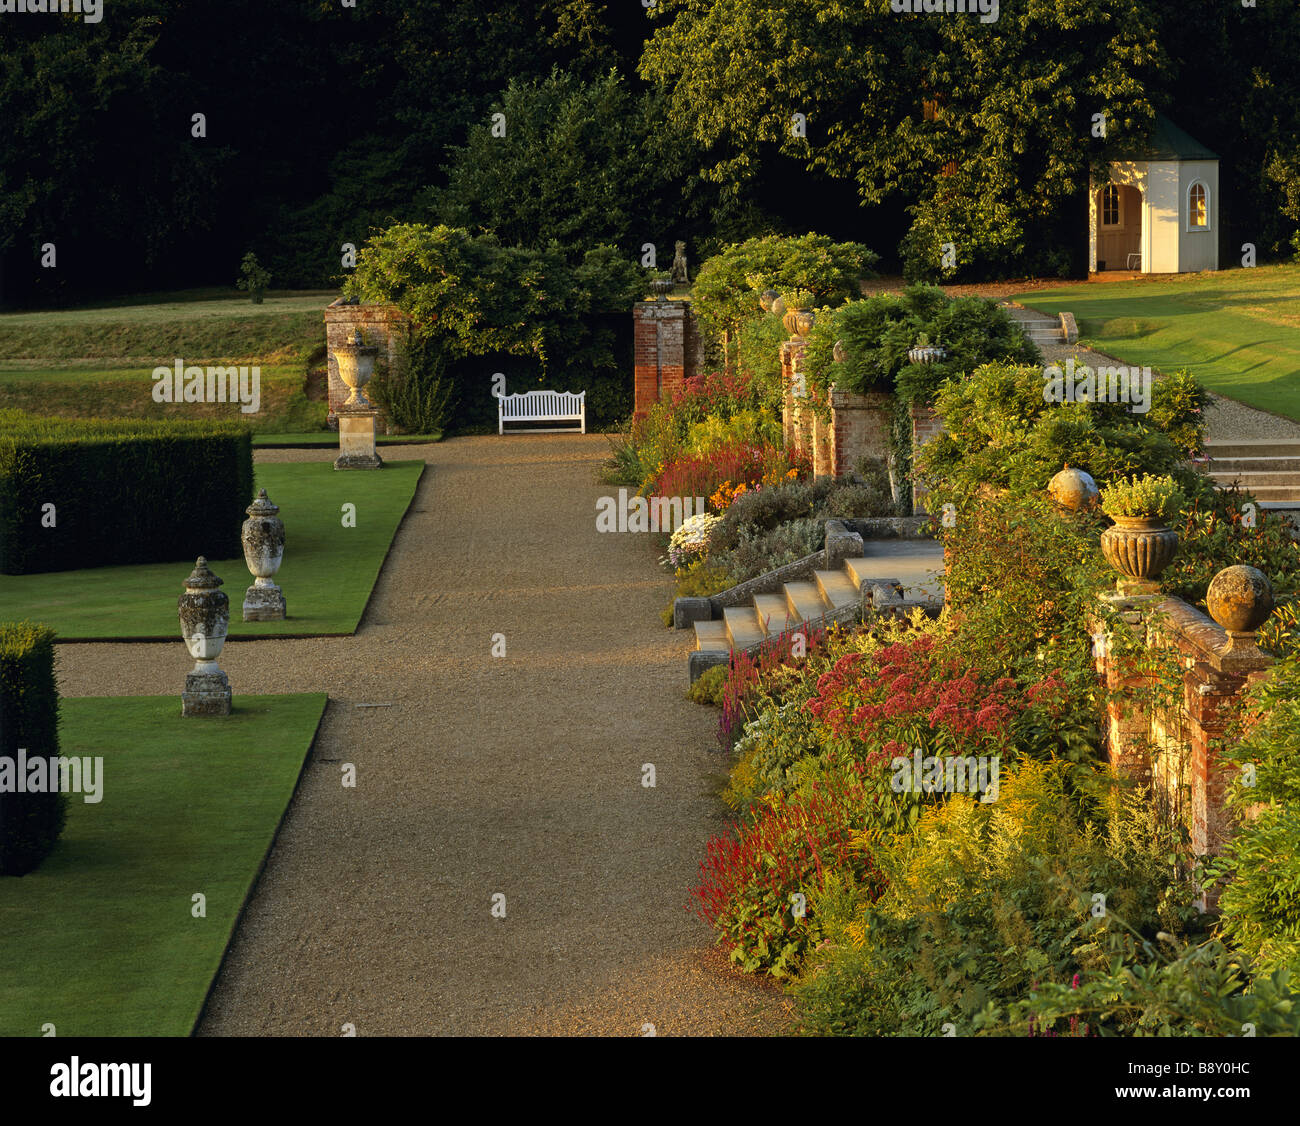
{"type": "Point", "coordinates": [545, 405]}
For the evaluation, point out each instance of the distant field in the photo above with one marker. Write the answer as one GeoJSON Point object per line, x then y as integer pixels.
{"type": "Point", "coordinates": [1238, 331]}
{"type": "Point", "coordinates": [98, 362]}
{"type": "Point", "coordinates": [215, 328]}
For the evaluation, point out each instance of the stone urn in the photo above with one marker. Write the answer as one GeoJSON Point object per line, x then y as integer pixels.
{"type": "Point", "coordinates": [205, 620]}
{"type": "Point", "coordinates": [1240, 599]}
{"type": "Point", "coordinates": [263, 539]}
{"type": "Point", "coordinates": [356, 361]}
{"type": "Point", "coordinates": [1140, 548]}
{"type": "Point", "coordinates": [1073, 490]}
{"type": "Point", "coordinates": [661, 288]}
{"type": "Point", "coordinates": [926, 354]}
{"type": "Point", "coordinates": [798, 322]}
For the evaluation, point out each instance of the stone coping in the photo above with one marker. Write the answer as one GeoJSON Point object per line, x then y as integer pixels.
{"type": "Point", "coordinates": [1206, 636]}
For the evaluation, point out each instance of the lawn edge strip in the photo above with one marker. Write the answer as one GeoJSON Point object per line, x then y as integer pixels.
{"type": "Point", "coordinates": [261, 865]}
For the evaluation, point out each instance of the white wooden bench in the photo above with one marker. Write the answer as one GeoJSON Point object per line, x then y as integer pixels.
{"type": "Point", "coordinates": [544, 406]}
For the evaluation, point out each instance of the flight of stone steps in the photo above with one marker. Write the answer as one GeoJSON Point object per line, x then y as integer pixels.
{"type": "Point", "coordinates": [829, 596]}
{"type": "Point", "coordinates": [1041, 328]}
{"type": "Point", "coordinates": [1267, 467]}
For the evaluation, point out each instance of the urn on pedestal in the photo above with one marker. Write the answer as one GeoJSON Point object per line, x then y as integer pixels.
{"type": "Point", "coordinates": [356, 415]}
{"type": "Point", "coordinates": [263, 539]}
{"type": "Point", "coordinates": [205, 621]}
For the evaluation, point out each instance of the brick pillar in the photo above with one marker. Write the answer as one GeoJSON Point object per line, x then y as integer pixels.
{"type": "Point", "coordinates": [385, 325]}
{"type": "Point", "coordinates": [925, 425]}
{"type": "Point", "coordinates": [667, 349]}
{"type": "Point", "coordinates": [803, 413]}
{"type": "Point", "coordinates": [1127, 726]}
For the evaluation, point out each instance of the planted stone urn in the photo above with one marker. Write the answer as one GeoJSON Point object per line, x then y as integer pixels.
{"type": "Point", "coordinates": [1240, 599]}
{"type": "Point", "coordinates": [1139, 544]}
{"type": "Point", "coordinates": [926, 353]}
{"type": "Point", "coordinates": [205, 620]}
{"type": "Point", "coordinates": [356, 361]}
{"type": "Point", "coordinates": [797, 315]}
{"type": "Point", "coordinates": [1073, 489]}
{"type": "Point", "coordinates": [263, 539]}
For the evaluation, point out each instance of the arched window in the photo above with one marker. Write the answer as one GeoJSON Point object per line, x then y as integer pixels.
{"type": "Point", "coordinates": [1198, 207]}
{"type": "Point", "coordinates": [1110, 213]}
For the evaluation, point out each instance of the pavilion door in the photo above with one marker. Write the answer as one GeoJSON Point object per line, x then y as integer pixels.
{"type": "Point", "coordinates": [1119, 231]}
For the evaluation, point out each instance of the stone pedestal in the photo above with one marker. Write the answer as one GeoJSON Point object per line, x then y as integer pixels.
{"type": "Point", "coordinates": [357, 440]}
{"type": "Point", "coordinates": [207, 691]}
{"type": "Point", "coordinates": [264, 602]}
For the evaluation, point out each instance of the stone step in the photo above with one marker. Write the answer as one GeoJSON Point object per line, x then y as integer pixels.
{"type": "Point", "coordinates": [836, 588]}
{"type": "Point", "coordinates": [711, 637]}
{"type": "Point", "coordinates": [1253, 447]}
{"type": "Point", "coordinates": [1221, 465]}
{"type": "Point", "coordinates": [805, 599]}
{"type": "Point", "coordinates": [1255, 480]}
{"type": "Point", "coordinates": [1282, 496]}
{"type": "Point", "coordinates": [861, 570]}
{"type": "Point", "coordinates": [743, 628]}
{"type": "Point", "coordinates": [774, 613]}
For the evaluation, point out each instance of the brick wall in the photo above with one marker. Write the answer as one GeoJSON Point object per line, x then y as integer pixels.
{"type": "Point", "coordinates": [925, 425]}
{"type": "Point", "coordinates": [385, 325]}
{"type": "Point", "coordinates": [666, 349]}
{"type": "Point", "coordinates": [860, 426]}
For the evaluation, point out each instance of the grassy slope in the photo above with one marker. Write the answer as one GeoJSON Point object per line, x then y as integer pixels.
{"type": "Point", "coordinates": [100, 940]}
{"type": "Point", "coordinates": [99, 361]}
{"type": "Point", "coordinates": [1238, 331]}
{"type": "Point", "coordinates": [327, 574]}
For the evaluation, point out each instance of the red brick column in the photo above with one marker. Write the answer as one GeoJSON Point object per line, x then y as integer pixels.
{"type": "Point", "coordinates": [667, 350]}
{"type": "Point", "coordinates": [385, 325]}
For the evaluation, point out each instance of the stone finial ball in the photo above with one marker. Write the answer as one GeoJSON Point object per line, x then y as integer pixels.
{"type": "Point", "coordinates": [766, 298]}
{"type": "Point", "coordinates": [1073, 489]}
{"type": "Point", "coordinates": [778, 306]}
{"type": "Point", "coordinates": [1240, 599]}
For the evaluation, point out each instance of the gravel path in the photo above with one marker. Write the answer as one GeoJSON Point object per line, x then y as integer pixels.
{"type": "Point", "coordinates": [519, 775]}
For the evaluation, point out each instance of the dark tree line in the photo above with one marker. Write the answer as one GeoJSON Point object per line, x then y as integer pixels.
{"type": "Point", "coordinates": [623, 125]}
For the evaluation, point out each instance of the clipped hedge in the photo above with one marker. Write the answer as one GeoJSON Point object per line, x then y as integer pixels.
{"type": "Point", "coordinates": [122, 491]}
{"type": "Point", "coordinates": [30, 824]}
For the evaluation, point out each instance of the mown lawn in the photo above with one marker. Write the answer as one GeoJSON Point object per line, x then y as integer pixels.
{"type": "Point", "coordinates": [1238, 330]}
{"type": "Point", "coordinates": [328, 572]}
{"type": "Point", "coordinates": [101, 939]}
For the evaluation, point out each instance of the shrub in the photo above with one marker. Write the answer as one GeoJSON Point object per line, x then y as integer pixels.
{"type": "Point", "coordinates": [1000, 433]}
{"type": "Point", "coordinates": [707, 689]}
{"type": "Point", "coordinates": [1260, 905]}
{"type": "Point", "coordinates": [725, 292]}
{"type": "Point", "coordinates": [123, 492]}
{"type": "Point", "coordinates": [751, 876]}
{"type": "Point", "coordinates": [418, 397]}
{"type": "Point", "coordinates": [30, 823]}
{"type": "Point", "coordinates": [700, 475]}
{"type": "Point", "coordinates": [986, 903]}
{"type": "Point", "coordinates": [1149, 496]}
{"type": "Point", "coordinates": [1212, 534]}
{"type": "Point", "coordinates": [878, 333]}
